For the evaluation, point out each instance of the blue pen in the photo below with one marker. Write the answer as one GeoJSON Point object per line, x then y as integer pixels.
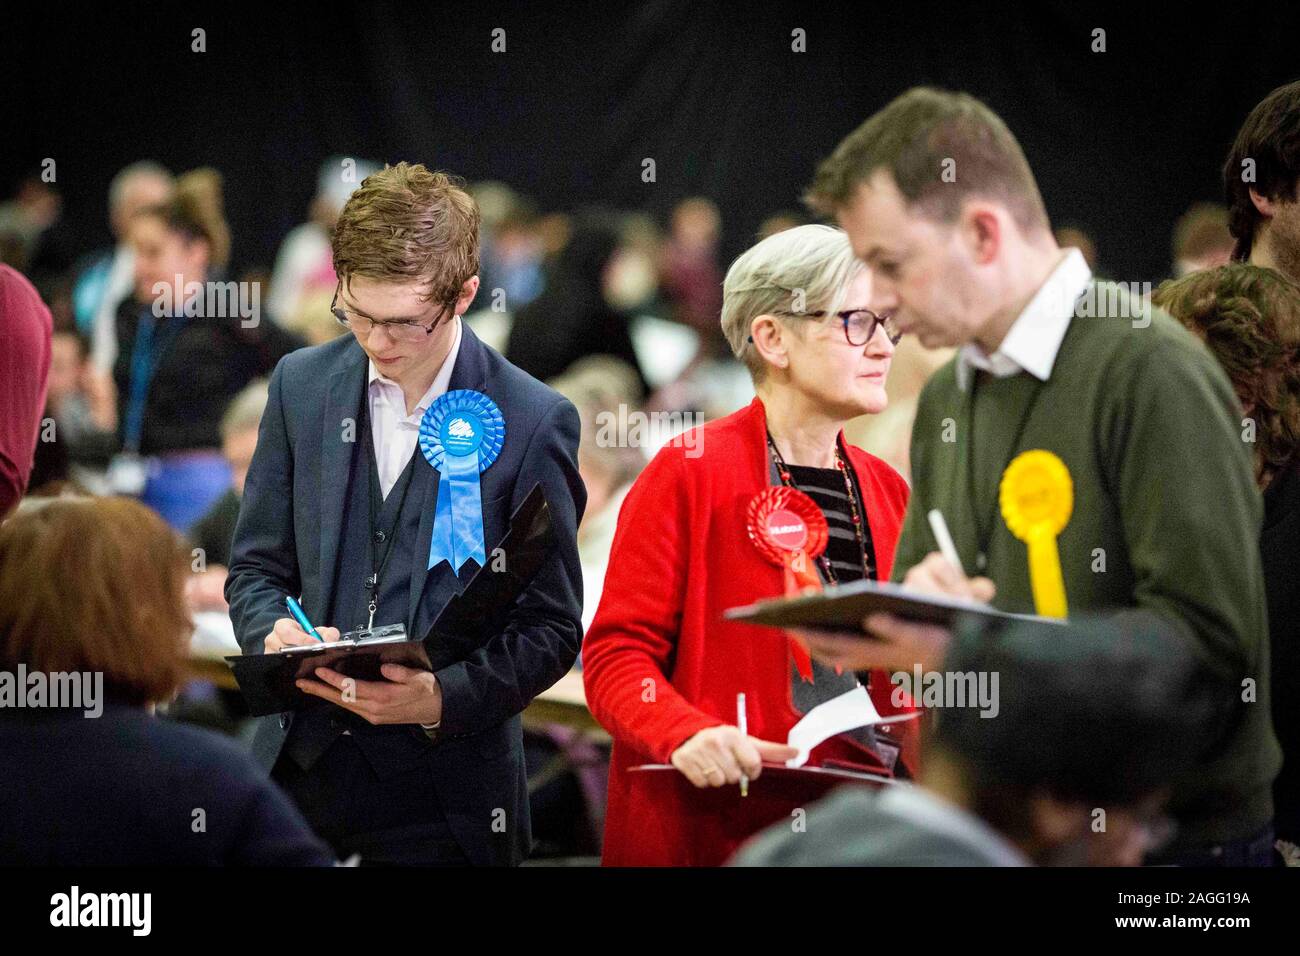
{"type": "Point", "coordinates": [296, 610]}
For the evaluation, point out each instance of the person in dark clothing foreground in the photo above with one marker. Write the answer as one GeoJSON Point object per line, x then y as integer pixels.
{"type": "Point", "coordinates": [1093, 723]}
{"type": "Point", "coordinates": [99, 780]}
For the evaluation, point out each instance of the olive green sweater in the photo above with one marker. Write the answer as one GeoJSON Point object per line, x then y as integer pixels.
{"type": "Point", "coordinates": [1166, 516]}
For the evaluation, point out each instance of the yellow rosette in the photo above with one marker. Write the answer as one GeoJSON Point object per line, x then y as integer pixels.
{"type": "Point", "coordinates": [1037, 498]}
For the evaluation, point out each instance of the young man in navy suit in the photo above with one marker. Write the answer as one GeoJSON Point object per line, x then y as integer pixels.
{"type": "Point", "coordinates": [339, 510]}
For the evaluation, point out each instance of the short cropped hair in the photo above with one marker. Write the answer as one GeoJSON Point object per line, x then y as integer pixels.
{"type": "Point", "coordinates": [940, 147]}
{"type": "Point", "coordinates": [1270, 141]}
{"type": "Point", "coordinates": [406, 223]}
{"type": "Point", "coordinates": [800, 270]}
{"type": "Point", "coordinates": [96, 585]}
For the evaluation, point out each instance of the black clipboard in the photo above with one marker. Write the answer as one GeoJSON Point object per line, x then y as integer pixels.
{"type": "Point", "coordinates": [841, 608]}
{"type": "Point", "coordinates": [267, 681]}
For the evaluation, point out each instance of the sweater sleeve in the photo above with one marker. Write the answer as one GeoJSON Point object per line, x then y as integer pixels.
{"type": "Point", "coordinates": [630, 647]}
{"type": "Point", "coordinates": [1178, 462]}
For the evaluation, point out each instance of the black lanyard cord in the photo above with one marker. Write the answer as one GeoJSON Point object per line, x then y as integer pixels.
{"type": "Point", "coordinates": [984, 529]}
{"type": "Point", "coordinates": [377, 534]}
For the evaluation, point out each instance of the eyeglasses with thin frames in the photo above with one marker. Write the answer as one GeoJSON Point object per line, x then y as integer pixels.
{"type": "Point", "coordinates": [403, 329]}
{"type": "Point", "coordinates": [859, 324]}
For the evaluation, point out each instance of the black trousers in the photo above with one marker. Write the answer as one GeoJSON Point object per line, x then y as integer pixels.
{"type": "Point", "coordinates": [389, 822]}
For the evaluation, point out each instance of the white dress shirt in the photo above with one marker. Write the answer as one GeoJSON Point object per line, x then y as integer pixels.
{"type": "Point", "coordinates": [1034, 339]}
{"type": "Point", "coordinates": [396, 433]}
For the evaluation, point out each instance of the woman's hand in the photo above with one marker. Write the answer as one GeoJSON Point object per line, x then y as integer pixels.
{"type": "Point", "coordinates": [717, 756]}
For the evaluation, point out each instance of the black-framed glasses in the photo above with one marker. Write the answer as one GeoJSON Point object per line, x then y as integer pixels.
{"type": "Point", "coordinates": [859, 324]}
{"type": "Point", "coordinates": [406, 330]}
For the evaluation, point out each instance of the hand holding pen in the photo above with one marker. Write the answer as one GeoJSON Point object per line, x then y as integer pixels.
{"type": "Point", "coordinates": [298, 629]}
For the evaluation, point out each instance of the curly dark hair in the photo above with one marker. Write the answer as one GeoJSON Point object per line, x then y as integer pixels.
{"type": "Point", "coordinates": [1250, 319]}
{"type": "Point", "coordinates": [1270, 137]}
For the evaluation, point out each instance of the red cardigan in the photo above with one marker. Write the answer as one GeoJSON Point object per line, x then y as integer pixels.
{"type": "Point", "coordinates": [660, 663]}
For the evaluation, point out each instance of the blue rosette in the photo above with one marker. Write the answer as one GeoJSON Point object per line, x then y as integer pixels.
{"type": "Point", "coordinates": [461, 434]}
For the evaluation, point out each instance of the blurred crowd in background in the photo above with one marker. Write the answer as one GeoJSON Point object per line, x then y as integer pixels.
{"type": "Point", "coordinates": [611, 306]}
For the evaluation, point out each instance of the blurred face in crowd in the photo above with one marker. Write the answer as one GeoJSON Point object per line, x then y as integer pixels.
{"type": "Point", "coordinates": [238, 448]}
{"type": "Point", "coordinates": [1071, 834]}
{"type": "Point", "coordinates": [161, 255]}
{"type": "Point", "coordinates": [696, 224]}
{"type": "Point", "coordinates": [65, 368]}
{"type": "Point", "coordinates": [629, 279]}
{"type": "Point", "coordinates": [928, 275]}
{"type": "Point", "coordinates": [401, 353]}
{"type": "Point", "coordinates": [845, 380]}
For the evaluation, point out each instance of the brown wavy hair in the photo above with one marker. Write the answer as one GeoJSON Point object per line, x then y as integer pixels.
{"type": "Point", "coordinates": [96, 584]}
{"type": "Point", "coordinates": [406, 223]}
{"type": "Point", "coordinates": [1250, 318]}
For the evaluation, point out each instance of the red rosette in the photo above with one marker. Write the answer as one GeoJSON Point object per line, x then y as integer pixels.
{"type": "Point", "coordinates": [783, 522]}
{"type": "Point", "coordinates": [789, 530]}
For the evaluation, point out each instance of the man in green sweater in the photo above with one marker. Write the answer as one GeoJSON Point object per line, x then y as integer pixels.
{"type": "Point", "coordinates": [937, 197]}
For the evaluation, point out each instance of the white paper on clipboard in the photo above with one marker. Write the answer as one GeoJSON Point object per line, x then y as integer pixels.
{"type": "Point", "coordinates": [848, 711]}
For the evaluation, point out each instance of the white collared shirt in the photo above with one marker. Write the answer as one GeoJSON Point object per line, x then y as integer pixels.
{"type": "Point", "coordinates": [1034, 339]}
{"type": "Point", "coordinates": [396, 433]}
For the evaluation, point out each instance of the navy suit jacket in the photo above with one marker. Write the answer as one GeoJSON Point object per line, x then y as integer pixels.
{"type": "Point", "coordinates": [287, 542]}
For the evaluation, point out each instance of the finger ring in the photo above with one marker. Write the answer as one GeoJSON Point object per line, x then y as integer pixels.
{"type": "Point", "coordinates": [710, 770]}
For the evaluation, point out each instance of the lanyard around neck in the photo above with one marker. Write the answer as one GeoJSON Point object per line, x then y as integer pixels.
{"type": "Point", "coordinates": [146, 356]}
{"type": "Point", "coordinates": [375, 534]}
{"type": "Point", "coordinates": [984, 529]}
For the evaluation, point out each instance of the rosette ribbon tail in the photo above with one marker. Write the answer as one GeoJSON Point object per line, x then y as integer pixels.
{"type": "Point", "coordinates": [458, 514]}
{"type": "Point", "coordinates": [1045, 578]}
{"type": "Point", "coordinates": [799, 576]}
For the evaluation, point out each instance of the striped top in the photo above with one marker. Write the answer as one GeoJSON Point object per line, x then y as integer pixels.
{"type": "Point", "coordinates": [825, 486]}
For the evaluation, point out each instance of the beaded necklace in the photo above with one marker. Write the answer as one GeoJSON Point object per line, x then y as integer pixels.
{"type": "Point", "coordinates": [788, 480]}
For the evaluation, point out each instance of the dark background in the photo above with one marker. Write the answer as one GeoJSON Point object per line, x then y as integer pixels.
{"type": "Point", "coordinates": [1122, 141]}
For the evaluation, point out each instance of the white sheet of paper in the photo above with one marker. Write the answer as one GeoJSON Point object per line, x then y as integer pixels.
{"type": "Point", "coordinates": [850, 710]}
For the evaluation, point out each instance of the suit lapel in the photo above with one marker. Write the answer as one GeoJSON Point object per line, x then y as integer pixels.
{"type": "Point", "coordinates": [343, 398]}
{"type": "Point", "coordinates": [470, 371]}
